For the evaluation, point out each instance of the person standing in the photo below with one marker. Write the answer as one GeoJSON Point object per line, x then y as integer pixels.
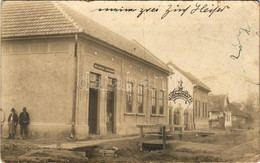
{"type": "Point", "coordinates": [2, 119]}
{"type": "Point", "coordinates": [12, 122]}
{"type": "Point", "coordinates": [24, 120]}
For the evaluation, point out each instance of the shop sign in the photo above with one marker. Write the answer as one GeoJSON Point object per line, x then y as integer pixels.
{"type": "Point", "coordinates": [104, 68]}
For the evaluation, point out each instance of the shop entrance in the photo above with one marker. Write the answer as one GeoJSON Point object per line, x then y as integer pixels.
{"type": "Point", "coordinates": [92, 118]}
{"type": "Point", "coordinates": [110, 106]}
{"type": "Point", "coordinates": [93, 103]}
{"type": "Point", "coordinates": [110, 112]}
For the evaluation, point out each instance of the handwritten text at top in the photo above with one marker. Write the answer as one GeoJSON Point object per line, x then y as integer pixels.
{"type": "Point", "coordinates": [208, 9]}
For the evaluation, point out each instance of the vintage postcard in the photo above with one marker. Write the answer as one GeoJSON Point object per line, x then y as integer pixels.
{"type": "Point", "coordinates": [135, 81]}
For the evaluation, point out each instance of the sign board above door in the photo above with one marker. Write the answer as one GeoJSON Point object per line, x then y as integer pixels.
{"type": "Point", "coordinates": [104, 68]}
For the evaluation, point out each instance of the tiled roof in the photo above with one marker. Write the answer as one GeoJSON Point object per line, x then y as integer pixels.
{"type": "Point", "coordinates": [47, 18]}
{"type": "Point", "coordinates": [189, 76]}
{"type": "Point", "coordinates": [217, 102]}
{"type": "Point", "coordinates": [236, 111]}
{"type": "Point", "coordinates": [19, 18]}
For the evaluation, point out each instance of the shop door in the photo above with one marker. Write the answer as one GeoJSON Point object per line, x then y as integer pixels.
{"type": "Point", "coordinates": [110, 112]}
{"type": "Point", "coordinates": [92, 119]}
{"type": "Point", "coordinates": [93, 102]}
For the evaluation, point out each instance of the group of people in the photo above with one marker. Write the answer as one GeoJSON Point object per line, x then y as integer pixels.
{"type": "Point", "coordinates": [13, 119]}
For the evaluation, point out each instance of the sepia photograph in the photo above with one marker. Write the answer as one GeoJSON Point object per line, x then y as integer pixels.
{"type": "Point", "coordinates": [130, 81]}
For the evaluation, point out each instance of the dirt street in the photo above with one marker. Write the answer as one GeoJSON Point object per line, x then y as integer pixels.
{"type": "Point", "coordinates": [237, 145]}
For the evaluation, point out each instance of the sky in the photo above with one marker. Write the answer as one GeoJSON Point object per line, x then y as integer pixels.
{"type": "Point", "coordinates": [197, 43]}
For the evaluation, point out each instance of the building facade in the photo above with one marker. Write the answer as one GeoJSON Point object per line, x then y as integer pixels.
{"type": "Point", "coordinates": [220, 115]}
{"type": "Point", "coordinates": [200, 97]}
{"type": "Point", "coordinates": [75, 76]}
{"type": "Point", "coordinates": [180, 98]}
{"type": "Point", "coordinates": [193, 112]}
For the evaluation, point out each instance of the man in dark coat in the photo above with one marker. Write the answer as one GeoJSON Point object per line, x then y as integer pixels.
{"type": "Point", "coordinates": [12, 122]}
{"type": "Point", "coordinates": [24, 120]}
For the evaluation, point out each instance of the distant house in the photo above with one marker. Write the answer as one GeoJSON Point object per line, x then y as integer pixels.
{"type": "Point", "coordinates": [219, 112]}
{"type": "Point", "coordinates": [195, 114]}
{"type": "Point", "coordinates": [239, 117]}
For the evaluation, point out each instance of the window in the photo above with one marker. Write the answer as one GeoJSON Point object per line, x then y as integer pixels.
{"type": "Point", "coordinates": [206, 111]}
{"type": "Point", "coordinates": [199, 109]}
{"type": "Point", "coordinates": [195, 111]}
{"type": "Point", "coordinates": [129, 97]}
{"type": "Point", "coordinates": [161, 101]}
{"type": "Point", "coordinates": [154, 96]}
{"type": "Point", "coordinates": [203, 110]}
{"type": "Point", "coordinates": [140, 98]}
{"type": "Point", "coordinates": [111, 84]}
{"type": "Point", "coordinates": [228, 117]}
{"type": "Point", "coordinates": [95, 80]}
